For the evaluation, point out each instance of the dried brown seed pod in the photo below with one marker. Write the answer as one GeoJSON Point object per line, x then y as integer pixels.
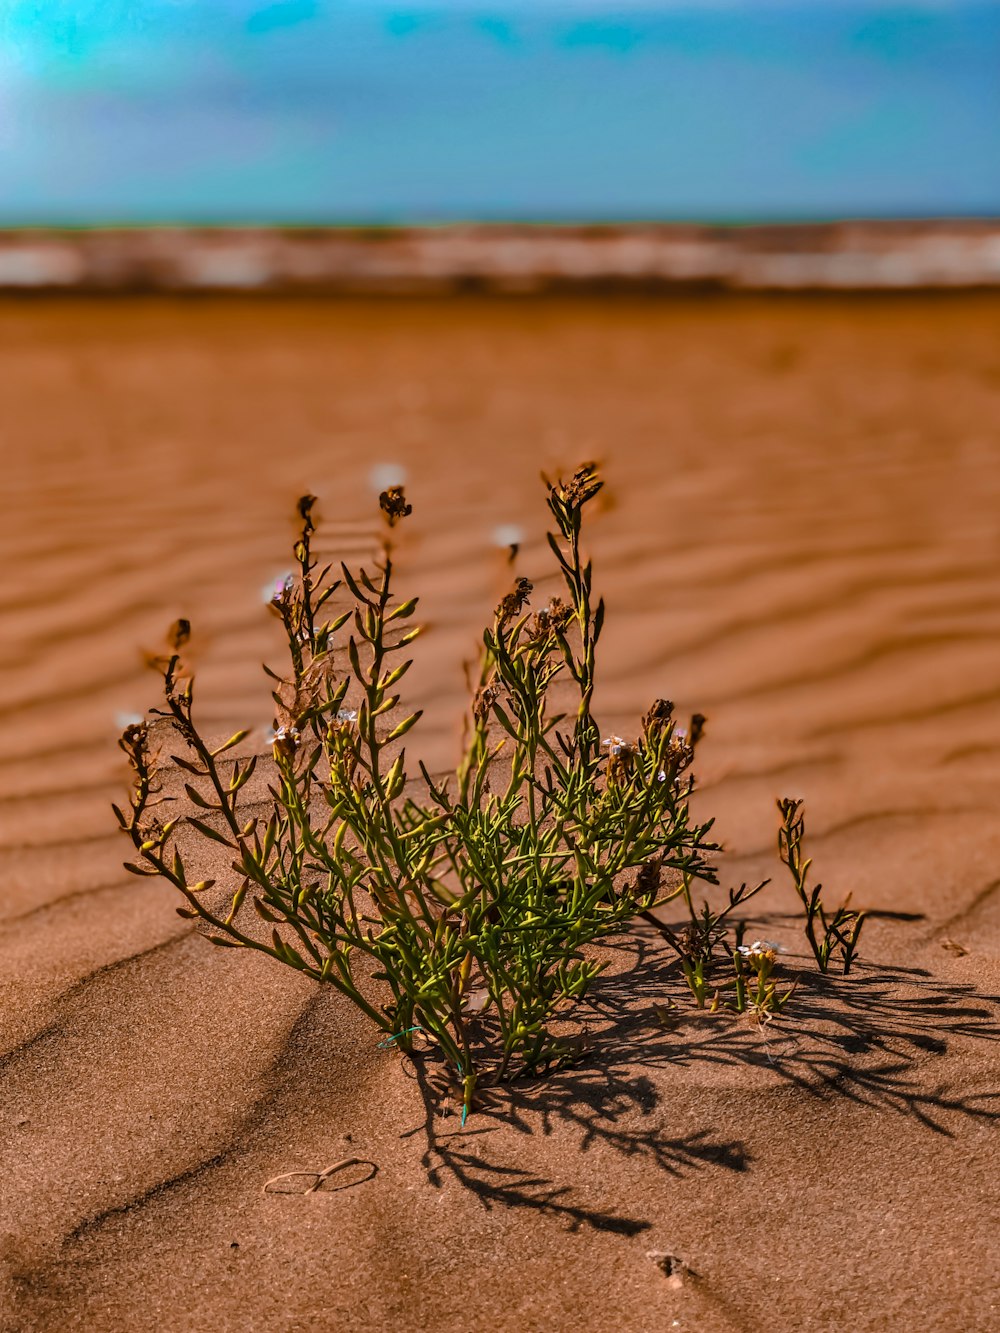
{"type": "Point", "coordinates": [393, 504]}
{"type": "Point", "coordinates": [647, 881]}
{"type": "Point", "coordinates": [305, 506]}
{"type": "Point", "coordinates": [658, 717]}
{"type": "Point", "coordinates": [515, 601]}
{"type": "Point", "coordinates": [581, 487]}
{"type": "Point", "coordinates": [483, 701]}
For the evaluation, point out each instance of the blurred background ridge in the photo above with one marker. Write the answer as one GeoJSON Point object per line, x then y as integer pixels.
{"type": "Point", "coordinates": [860, 256]}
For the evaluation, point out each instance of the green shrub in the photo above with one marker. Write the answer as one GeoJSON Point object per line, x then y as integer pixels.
{"type": "Point", "coordinates": [467, 908]}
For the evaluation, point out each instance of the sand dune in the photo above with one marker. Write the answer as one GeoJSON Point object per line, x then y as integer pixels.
{"type": "Point", "coordinates": [801, 539]}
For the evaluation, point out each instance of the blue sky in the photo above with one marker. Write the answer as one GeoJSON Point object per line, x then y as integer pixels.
{"type": "Point", "coordinates": [304, 111]}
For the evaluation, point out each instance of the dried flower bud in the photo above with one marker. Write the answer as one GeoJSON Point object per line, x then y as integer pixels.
{"type": "Point", "coordinates": [647, 882]}
{"type": "Point", "coordinates": [657, 718]}
{"type": "Point", "coordinates": [483, 701]}
{"type": "Point", "coordinates": [548, 620]}
{"type": "Point", "coordinates": [393, 504]}
{"type": "Point", "coordinates": [581, 487]}
{"type": "Point", "coordinates": [305, 508]}
{"type": "Point", "coordinates": [620, 757]}
{"type": "Point", "coordinates": [515, 601]}
{"type": "Point", "coordinates": [179, 634]}
{"type": "Point", "coordinates": [788, 807]}
{"type": "Point", "coordinates": [679, 752]}
{"type": "Point", "coordinates": [134, 738]}
{"type": "Point", "coordinates": [689, 942]}
{"type": "Point", "coordinates": [791, 830]}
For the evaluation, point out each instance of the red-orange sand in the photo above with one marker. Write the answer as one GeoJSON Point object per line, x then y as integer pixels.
{"type": "Point", "coordinates": [801, 539]}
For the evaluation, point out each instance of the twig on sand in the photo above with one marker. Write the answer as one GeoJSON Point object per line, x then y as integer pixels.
{"type": "Point", "coordinates": [318, 1178]}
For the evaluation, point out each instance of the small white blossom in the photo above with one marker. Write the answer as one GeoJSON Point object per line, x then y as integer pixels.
{"type": "Point", "coordinates": [279, 590]}
{"type": "Point", "coordinates": [662, 775]}
{"type": "Point", "coordinates": [347, 715]}
{"type": "Point", "coordinates": [614, 745]}
{"type": "Point", "coordinates": [508, 534]}
{"type": "Point", "coordinates": [384, 475]}
{"type": "Point", "coordinates": [759, 948]}
{"type": "Point", "coordinates": [289, 735]}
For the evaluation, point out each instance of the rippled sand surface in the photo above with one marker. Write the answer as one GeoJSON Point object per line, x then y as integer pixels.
{"type": "Point", "coordinates": [801, 539]}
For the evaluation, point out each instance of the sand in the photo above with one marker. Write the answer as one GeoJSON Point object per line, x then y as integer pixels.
{"type": "Point", "coordinates": [800, 539]}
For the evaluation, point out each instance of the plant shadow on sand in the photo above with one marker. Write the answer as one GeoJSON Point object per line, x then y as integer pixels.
{"type": "Point", "coordinates": [865, 1039]}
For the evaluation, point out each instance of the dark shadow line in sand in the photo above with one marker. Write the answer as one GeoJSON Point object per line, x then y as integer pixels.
{"type": "Point", "coordinates": [843, 597]}
{"type": "Point", "coordinates": [973, 751]}
{"type": "Point", "coordinates": [80, 987]}
{"type": "Point", "coordinates": [797, 765]}
{"type": "Point", "coordinates": [982, 896]}
{"type": "Point", "coordinates": [9, 1058]}
{"type": "Point", "coordinates": [793, 920]}
{"type": "Point", "coordinates": [86, 690]}
{"type": "Point", "coordinates": [53, 904]}
{"type": "Point", "coordinates": [32, 645]}
{"type": "Point", "coordinates": [38, 798]}
{"type": "Point", "coordinates": [922, 812]}
{"type": "Point", "coordinates": [51, 844]}
{"type": "Point", "coordinates": [927, 713]}
{"type": "Point", "coordinates": [59, 751]}
{"type": "Point", "coordinates": [156, 1191]}
{"type": "Point", "coordinates": [39, 1278]}
{"type": "Point", "coordinates": [871, 655]}
{"type": "Point", "coordinates": [751, 567]}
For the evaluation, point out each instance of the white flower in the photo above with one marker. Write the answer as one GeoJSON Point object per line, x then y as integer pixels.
{"type": "Point", "coordinates": [280, 589]}
{"type": "Point", "coordinates": [347, 715]}
{"type": "Point", "coordinates": [508, 534]}
{"type": "Point", "coordinates": [662, 775]}
{"type": "Point", "coordinates": [384, 475]}
{"type": "Point", "coordinates": [288, 735]}
{"type": "Point", "coordinates": [759, 948]}
{"type": "Point", "coordinates": [614, 745]}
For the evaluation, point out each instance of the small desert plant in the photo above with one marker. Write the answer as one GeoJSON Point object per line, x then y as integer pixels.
{"type": "Point", "coordinates": [755, 989]}
{"type": "Point", "coordinates": [474, 900]}
{"type": "Point", "coordinates": [721, 974]}
{"type": "Point", "coordinates": [467, 908]}
{"type": "Point", "coordinates": [701, 943]}
{"type": "Point", "coordinates": [825, 934]}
